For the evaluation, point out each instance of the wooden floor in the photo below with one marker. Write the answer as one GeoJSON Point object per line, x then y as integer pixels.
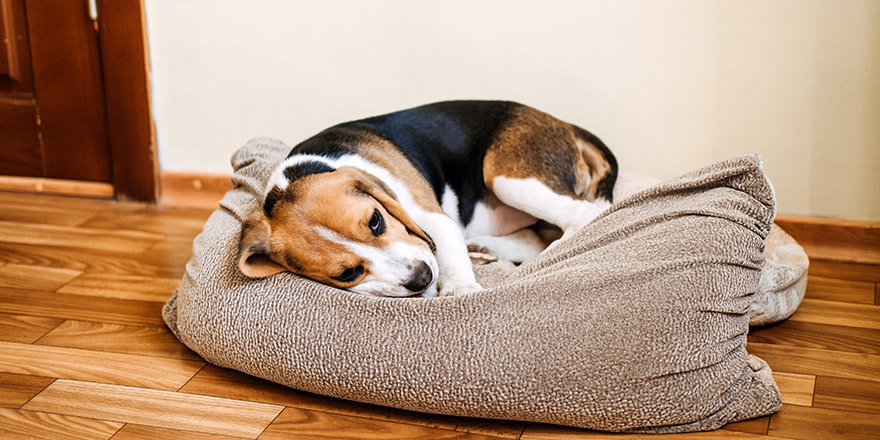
{"type": "Point", "coordinates": [84, 352]}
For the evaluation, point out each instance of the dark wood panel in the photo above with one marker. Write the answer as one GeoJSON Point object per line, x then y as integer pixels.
{"type": "Point", "coordinates": [4, 53]}
{"type": "Point", "coordinates": [15, 55]}
{"type": "Point", "coordinates": [69, 90]}
{"type": "Point", "coordinates": [123, 53]}
{"type": "Point", "coordinates": [21, 154]}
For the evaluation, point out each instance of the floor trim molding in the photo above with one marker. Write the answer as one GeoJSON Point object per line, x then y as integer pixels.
{"type": "Point", "coordinates": [43, 185]}
{"type": "Point", "coordinates": [834, 239]}
{"type": "Point", "coordinates": [192, 190]}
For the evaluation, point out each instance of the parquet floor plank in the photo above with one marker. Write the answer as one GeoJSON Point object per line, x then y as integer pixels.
{"type": "Point", "coordinates": [817, 362]}
{"type": "Point", "coordinates": [67, 203]}
{"type": "Point", "coordinates": [81, 238]}
{"type": "Point", "coordinates": [306, 424]}
{"type": "Point", "coordinates": [162, 409]}
{"type": "Point", "coordinates": [57, 305]}
{"type": "Point", "coordinates": [847, 394]}
{"type": "Point", "coordinates": [837, 313]}
{"type": "Point", "coordinates": [87, 365]}
{"type": "Point", "coordinates": [221, 382]}
{"type": "Point", "coordinates": [116, 338]}
{"type": "Point", "coordinates": [20, 276]}
{"type": "Point", "coordinates": [802, 422]}
{"type": "Point", "coordinates": [93, 261]}
{"type": "Point", "coordinates": [171, 252]}
{"type": "Point", "coordinates": [757, 426]}
{"type": "Point", "coordinates": [845, 270]}
{"type": "Point", "coordinates": [48, 215]}
{"type": "Point", "coordinates": [537, 431]}
{"type": "Point", "coordinates": [810, 335]}
{"type": "Point", "coordinates": [832, 289]}
{"type": "Point", "coordinates": [18, 424]}
{"type": "Point", "coordinates": [796, 389]}
{"type": "Point", "coordinates": [833, 252]}
{"type": "Point", "coordinates": [173, 222]}
{"type": "Point", "coordinates": [130, 287]}
{"type": "Point", "coordinates": [25, 329]}
{"type": "Point", "coordinates": [141, 432]}
{"type": "Point", "coordinates": [17, 389]}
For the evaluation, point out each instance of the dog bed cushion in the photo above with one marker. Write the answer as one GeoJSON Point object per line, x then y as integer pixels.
{"type": "Point", "coordinates": [783, 275]}
{"type": "Point", "coordinates": [636, 323]}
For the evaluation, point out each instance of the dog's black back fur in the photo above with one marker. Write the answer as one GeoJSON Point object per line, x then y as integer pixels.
{"type": "Point", "coordinates": [445, 141]}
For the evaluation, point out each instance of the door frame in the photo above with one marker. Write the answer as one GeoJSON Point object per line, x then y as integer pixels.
{"type": "Point", "coordinates": [124, 69]}
{"type": "Point", "coordinates": [122, 36]}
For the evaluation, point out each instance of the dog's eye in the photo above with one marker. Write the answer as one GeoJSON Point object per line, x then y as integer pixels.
{"type": "Point", "coordinates": [377, 223]}
{"type": "Point", "coordinates": [350, 274]}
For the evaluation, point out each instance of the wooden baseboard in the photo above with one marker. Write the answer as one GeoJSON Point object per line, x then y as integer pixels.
{"type": "Point", "coordinates": [42, 185]}
{"type": "Point", "coordinates": [192, 190]}
{"type": "Point", "coordinates": [834, 239]}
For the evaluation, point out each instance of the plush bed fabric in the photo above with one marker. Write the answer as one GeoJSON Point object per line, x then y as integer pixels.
{"type": "Point", "coordinates": [636, 323]}
{"type": "Point", "coordinates": [783, 275]}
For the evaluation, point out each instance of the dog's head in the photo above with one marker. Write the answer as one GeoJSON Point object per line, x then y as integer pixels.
{"type": "Point", "coordinates": [342, 227]}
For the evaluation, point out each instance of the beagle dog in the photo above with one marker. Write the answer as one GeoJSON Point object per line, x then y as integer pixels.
{"type": "Point", "coordinates": [391, 205]}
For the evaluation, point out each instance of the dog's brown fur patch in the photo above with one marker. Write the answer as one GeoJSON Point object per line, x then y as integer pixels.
{"type": "Point", "coordinates": [533, 143]}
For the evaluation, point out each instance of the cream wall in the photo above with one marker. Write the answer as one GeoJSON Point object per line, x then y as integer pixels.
{"type": "Point", "coordinates": [668, 85]}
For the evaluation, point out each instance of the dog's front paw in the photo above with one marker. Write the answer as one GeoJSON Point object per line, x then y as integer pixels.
{"type": "Point", "coordinates": [453, 289]}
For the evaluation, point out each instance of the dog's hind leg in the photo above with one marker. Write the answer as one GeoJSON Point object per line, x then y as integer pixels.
{"type": "Point", "coordinates": [532, 196]}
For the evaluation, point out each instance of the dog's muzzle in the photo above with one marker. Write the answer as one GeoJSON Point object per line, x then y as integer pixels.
{"type": "Point", "coordinates": [421, 278]}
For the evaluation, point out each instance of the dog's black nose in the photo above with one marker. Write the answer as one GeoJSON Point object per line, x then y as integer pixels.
{"type": "Point", "coordinates": [420, 279]}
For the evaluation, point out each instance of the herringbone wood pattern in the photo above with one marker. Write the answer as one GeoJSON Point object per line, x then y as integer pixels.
{"type": "Point", "coordinates": [84, 352]}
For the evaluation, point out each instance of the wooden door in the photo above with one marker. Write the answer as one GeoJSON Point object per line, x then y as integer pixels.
{"type": "Point", "coordinates": [60, 71]}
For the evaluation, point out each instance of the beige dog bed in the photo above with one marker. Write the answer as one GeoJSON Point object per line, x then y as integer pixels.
{"type": "Point", "coordinates": [636, 323]}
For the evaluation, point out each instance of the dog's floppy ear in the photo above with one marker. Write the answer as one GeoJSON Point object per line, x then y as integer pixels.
{"type": "Point", "coordinates": [377, 189]}
{"type": "Point", "coordinates": [253, 253]}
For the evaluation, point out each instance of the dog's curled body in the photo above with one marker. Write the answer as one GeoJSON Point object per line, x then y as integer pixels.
{"type": "Point", "coordinates": [388, 205]}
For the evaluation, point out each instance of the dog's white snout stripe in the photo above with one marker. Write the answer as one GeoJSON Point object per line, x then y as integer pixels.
{"type": "Point", "coordinates": [391, 268]}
